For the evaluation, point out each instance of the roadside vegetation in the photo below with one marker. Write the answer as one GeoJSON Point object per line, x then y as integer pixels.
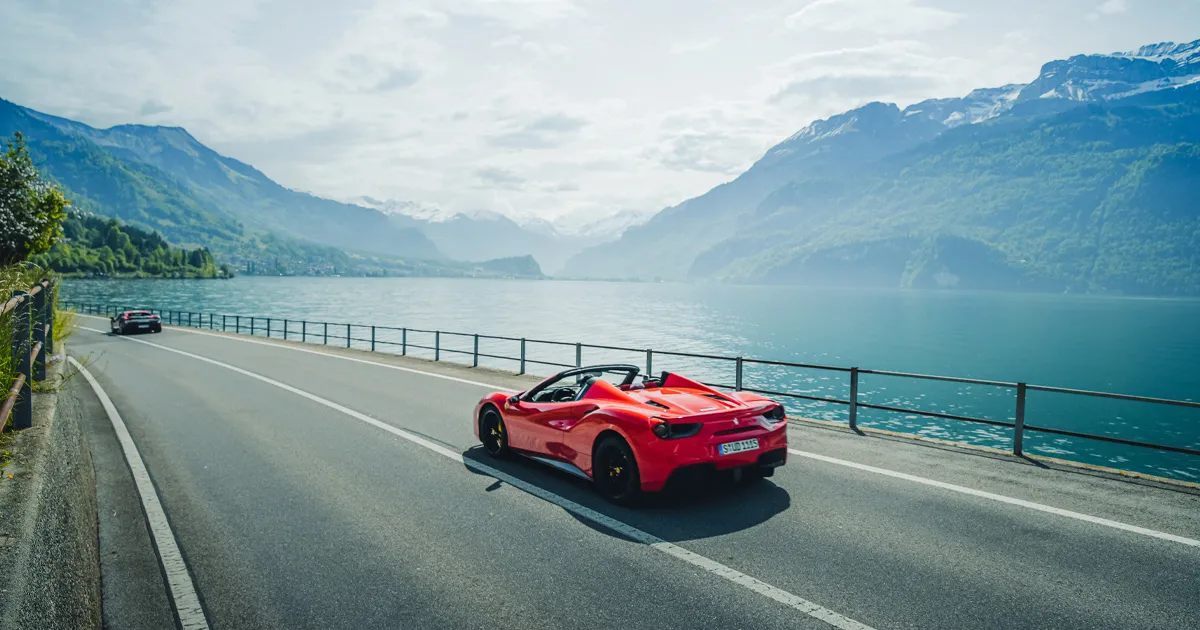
{"type": "Point", "coordinates": [32, 212]}
{"type": "Point", "coordinates": [96, 247]}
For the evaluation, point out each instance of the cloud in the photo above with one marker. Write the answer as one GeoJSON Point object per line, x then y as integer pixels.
{"type": "Point", "coordinates": [152, 107]}
{"type": "Point", "coordinates": [514, 14]}
{"type": "Point", "coordinates": [398, 79]}
{"type": "Point", "coordinates": [692, 46]}
{"type": "Point", "coordinates": [545, 131]}
{"type": "Point", "coordinates": [1111, 7]}
{"type": "Point", "coordinates": [563, 187]}
{"type": "Point", "coordinates": [886, 17]}
{"type": "Point", "coordinates": [714, 139]}
{"type": "Point", "coordinates": [495, 177]}
{"type": "Point", "coordinates": [895, 71]}
{"type": "Point", "coordinates": [528, 46]}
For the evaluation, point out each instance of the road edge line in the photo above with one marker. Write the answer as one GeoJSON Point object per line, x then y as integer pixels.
{"type": "Point", "coordinates": [983, 494]}
{"type": "Point", "coordinates": [184, 598]}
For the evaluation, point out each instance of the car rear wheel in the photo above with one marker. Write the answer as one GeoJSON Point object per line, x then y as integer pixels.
{"type": "Point", "coordinates": [493, 433]}
{"type": "Point", "coordinates": [615, 471]}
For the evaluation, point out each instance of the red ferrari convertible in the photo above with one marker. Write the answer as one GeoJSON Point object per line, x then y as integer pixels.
{"type": "Point", "coordinates": [631, 433]}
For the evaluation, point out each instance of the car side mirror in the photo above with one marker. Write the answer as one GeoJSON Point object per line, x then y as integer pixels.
{"type": "Point", "coordinates": [514, 399]}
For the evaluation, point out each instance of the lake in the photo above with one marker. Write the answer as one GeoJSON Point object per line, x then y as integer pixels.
{"type": "Point", "coordinates": [1146, 347]}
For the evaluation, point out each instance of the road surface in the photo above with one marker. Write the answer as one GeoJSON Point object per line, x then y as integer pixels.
{"type": "Point", "coordinates": [312, 487]}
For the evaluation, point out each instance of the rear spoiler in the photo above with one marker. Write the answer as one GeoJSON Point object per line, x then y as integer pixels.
{"type": "Point", "coordinates": [722, 414]}
{"type": "Point", "coordinates": [674, 380]}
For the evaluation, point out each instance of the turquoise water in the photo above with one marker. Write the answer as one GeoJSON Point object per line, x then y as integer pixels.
{"type": "Point", "coordinates": [1146, 347]}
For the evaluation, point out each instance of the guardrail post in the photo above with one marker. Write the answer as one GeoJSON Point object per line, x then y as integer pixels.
{"type": "Point", "coordinates": [268, 328]}
{"type": "Point", "coordinates": [189, 319]}
{"type": "Point", "coordinates": [238, 324]}
{"type": "Point", "coordinates": [853, 398]}
{"type": "Point", "coordinates": [347, 335]}
{"type": "Point", "coordinates": [325, 339]}
{"type": "Point", "coordinates": [223, 320]}
{"type": "Point", "coordinates": [372, 339]}
{"type": "Point", "coordinates": [1019, 425]}
{"type": "Point", "coordinates": [649, 361]}
{"type": "Point", "coordinates": [304, 331]}
{"type": "Point", "coordinates": [252, 318]}
{"type": "Point", "coordinates": [737, 378]}
{"type": "Point", "coordinates": [49, 328]}
{"type": "Point", "coordinates": [522, 356]}
{"type": "Point", "coordinates": [578, 355]}
{"type": "Point", "coordinates": [475, 354]}
{"type": "Point", "coordinates": [22, 413]}
{"type": "Point", "coordinates": [37, 319]}
{"type": "Point", "coordinates": [437, 345]}
{"type": "Point", "coordinates": [403, 341]}
{"type": "Point", "coordinates": [285, 331]}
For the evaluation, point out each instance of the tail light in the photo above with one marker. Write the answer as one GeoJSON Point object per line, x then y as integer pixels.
{"type": "Point", "coordinates": [125, 316]}
{"type": "Point", "coordinates": [773, 418]}
{"type": "Point", "coordinates": [673, 431]}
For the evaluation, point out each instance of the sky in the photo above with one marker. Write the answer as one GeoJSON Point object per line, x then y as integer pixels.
{"type": "Point", "coordinates": [532, 108]}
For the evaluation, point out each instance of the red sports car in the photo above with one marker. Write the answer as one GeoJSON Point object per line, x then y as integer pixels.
{"type": "Point", "coordinates": [631, 433]}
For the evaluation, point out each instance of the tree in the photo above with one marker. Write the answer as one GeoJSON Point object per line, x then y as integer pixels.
{"type": "Point", "coordinates": [31, 209]}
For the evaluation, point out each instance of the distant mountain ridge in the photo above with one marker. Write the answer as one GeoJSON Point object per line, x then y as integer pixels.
{"type": "Point", "coordinates": [163, 179]}
{"type": "Point", "coordinates": [486, 234]}
{"type": "Point", "coordinates": [890, 197]}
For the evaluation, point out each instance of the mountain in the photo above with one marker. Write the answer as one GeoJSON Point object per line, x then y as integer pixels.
{"type": "Point", "coordinates": [1100, 198]}
{"type": "Point", "coordinates": [485, 234]}
{"type": "Point", "coordinates": [163, 180]}
{"type": "Point", "coordinates": [1091, 78]}
{"type": "Point", "coordinates": [666, 245]}
{"type": "Point", "coordinates": [412, 209]}
{"type": "Point", "coordinates": [1075, 181]}
{"type": "Point", "coordinates": [246, 194]}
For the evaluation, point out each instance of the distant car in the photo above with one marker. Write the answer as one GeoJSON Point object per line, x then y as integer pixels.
{"type": "Point", "coordinates": [135, 321]}
{"type": "Point", "coordinates": [630, 433]}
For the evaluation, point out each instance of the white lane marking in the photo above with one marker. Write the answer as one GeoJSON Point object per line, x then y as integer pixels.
{"type": "Point", "coordinates": [183, 592]}
{"type": "Point", "coordinates": [712, 566]}
{"type": "Point", "coordinates": [1001, 498]}
{"type": "Point", "coordinates": [823, 458]}
{"type": "Point", "coordinates": [285, 346]}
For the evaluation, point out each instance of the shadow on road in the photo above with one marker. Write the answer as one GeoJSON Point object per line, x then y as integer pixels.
{"type": "Point", "coordinates": [699, 510]}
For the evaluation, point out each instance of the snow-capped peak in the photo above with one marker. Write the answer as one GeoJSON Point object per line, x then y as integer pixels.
{"type": "Point", "coordinates": [1179, 53]}
{"type": "Point", "coordinates": [407, 208]}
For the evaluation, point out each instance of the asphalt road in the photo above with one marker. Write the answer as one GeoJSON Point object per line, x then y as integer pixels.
{"type": "Point", "coordinates": [293, 514]}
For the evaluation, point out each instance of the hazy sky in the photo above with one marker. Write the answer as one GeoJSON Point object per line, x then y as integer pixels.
{"type": "Point", "coordinates": [530, 106]}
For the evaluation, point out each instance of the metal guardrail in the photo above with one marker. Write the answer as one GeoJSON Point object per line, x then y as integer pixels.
{"type": "Point", "coordinates": [32, 314]}
{"type": "Point", "coordinates": [343, 334]}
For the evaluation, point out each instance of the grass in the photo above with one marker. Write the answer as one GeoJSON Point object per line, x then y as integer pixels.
{"type": "Point", "coordinates": [20, 277]}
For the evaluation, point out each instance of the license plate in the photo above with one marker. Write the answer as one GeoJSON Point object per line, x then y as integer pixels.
{"type": "Point", "coordinates": [143, 325]}
{"type": "Point", "coordinates": [729, 448]}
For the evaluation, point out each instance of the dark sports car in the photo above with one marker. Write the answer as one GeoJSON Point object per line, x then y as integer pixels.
{"type": "Point", "coordinates": [135, 321]}
{"type": "Point", "coordinates": [630, 433]}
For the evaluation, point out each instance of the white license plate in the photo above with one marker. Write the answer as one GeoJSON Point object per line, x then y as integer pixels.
{"type": "Point", "coordinates": [729, 448]}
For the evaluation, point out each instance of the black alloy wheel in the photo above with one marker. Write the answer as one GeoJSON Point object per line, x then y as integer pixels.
{"type": "Point", "coordinates": [615, 471]}
{"type": "Point", "coordinates": [493, 433]}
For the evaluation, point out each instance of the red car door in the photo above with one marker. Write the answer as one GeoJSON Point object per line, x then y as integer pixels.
{"type": "Point", "coordinates": [538, 427]}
